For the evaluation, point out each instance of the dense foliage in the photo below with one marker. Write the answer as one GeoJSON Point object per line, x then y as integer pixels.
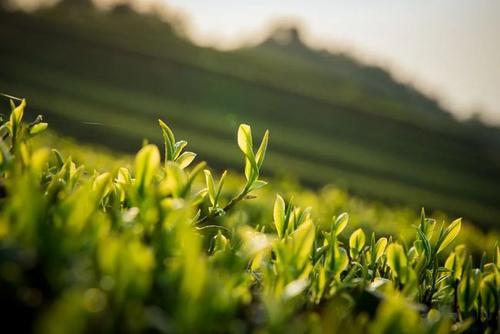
{"type": "Point", "coordinates": [149, 249]}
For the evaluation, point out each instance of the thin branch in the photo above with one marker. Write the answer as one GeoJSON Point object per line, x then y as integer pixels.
{"type": "Point", "coordinates": [206, 227]}
{"type": "Point", "coordinates": [11, 97]}
{"type": "Point", "coordinates": [217, 213]}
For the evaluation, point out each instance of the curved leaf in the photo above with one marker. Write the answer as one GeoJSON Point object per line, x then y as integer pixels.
{"type": "Point", "coordinates": [357, 242]}
{"type": "Point", "coordinates": [261, 152]}
{"type": "Point", "coordinates": [185, 159]}
{"type": "Point", "coordinates": [210, 186]}
{"type": "Point", "coordinates": [450, 234]}
{"type": "Point", "coordinates": [380, 247]}
{"type": "Point", "coordinates": [341, 222]}
{"type": "Point", "coordinates": [279, 215]}
{"type": "Point", "coordinates": [147, 161]}
{"type": "Point", "coordinates": [303, 240]}
{"type": "Point", "coordinates": [397, 261]}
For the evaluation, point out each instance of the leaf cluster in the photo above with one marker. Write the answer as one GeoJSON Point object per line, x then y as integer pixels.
{"type": "Point", "coordinates": [145, 249]}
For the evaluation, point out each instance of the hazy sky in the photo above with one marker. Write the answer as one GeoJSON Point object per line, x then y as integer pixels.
{"type": "Point", "coordinates": [448, 48]}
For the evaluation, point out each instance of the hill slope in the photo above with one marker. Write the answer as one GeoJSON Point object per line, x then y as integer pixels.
{"type": "Point", "coordinates": [106, 77]}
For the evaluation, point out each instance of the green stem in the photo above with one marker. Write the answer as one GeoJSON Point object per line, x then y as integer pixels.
{"type": "Point", "coordinates": [228, 206]}
{"type": "Point", "coordinates": [455, 298]}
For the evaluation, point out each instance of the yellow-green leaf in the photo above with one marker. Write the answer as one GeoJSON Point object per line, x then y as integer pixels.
{"type": "Point", "coordinates": [147, 161]}
{"type": "Point", "coordinates": [341, 222]}
{"type": "Point", "coordinates": [38, 128]}
{"type": "Point", "coordinates": [397, 261]}
{"type": "Point", "coordinates": [169, 140]}
{"type": "Point", "coordinates": [357, 242]}
{"type": "Point", "coordinates": [380, 248]}
{"type": "Point", "coordinates": [101, 184]}
{"type": "Point", "coordinates": [341, 260]}
{"type": "Point", "coordinates": [210, 186]}
{"type": "Point", "coordinates": [303, 240]}
{"type": "Point", "coordinates": [279, 215]}
{"type": "Point", "coordinates": [245, 140]}
{"type": "Point", "coordinates": [450, 234]}
{"type": "Point", "coordinates": [185, 159]}
{"type": "Point", "coordinates": [17, 114]}
{"type": "Point", "coordinates": [123, 176]}
{"type": "Point", "coordinates": [261, 152]}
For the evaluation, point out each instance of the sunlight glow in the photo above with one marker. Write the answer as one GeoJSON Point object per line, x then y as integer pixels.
{"type": "Point", "coordinates": [448, 49]}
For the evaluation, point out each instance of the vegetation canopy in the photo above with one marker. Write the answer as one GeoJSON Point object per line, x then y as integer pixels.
{"type": "Point", "coordinates": [149, 248]}
{"type": "Point", "coordinates": [106, 77]}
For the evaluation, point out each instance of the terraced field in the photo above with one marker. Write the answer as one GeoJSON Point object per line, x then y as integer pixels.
{"type": "Point", "coordinates": [107, 77]}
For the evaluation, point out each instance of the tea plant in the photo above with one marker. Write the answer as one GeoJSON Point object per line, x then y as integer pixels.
{"type": "Point", "coordinates": [149, 249]}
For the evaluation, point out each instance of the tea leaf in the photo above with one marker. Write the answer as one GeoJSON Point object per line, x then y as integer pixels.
{"type": "Point", "coordinates": [450, 234]}
{"type": "Point", "coordinates": [245, 140]}
{"type": "Point", "coordinates": [146, 162]}
{"type": "Point", "coordinates": [303, 240]}
{"type": "Point", "coordinates": [357, 242]}
{"type": "Point", "coordinates": [261, 152]}
{"type": "Point", "coordinates": [38, 128]}
{"type": "Point", "coordinates": [279, 215]}
{"type": "Point", "coordinates": [397, 261]}
{"type": "Point", "coordinates": [169, 141]}
{"type": "Point", "coordinates": [185, 159]}
{"type": "Point", "coordinates": [341, 222]}
{"type": "Point", "coordinates": [210, 186]}
{"type": "Point", "coordinates": [380, 247]}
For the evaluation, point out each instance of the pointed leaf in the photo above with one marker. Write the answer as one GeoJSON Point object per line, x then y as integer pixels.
{"type": "Point", "coordinates": [380, 247]}
{"type": "Point", "coordinates": [341, 260]}
{"type": "Point", "coordinates": [219, 186]}
{"type": "Point", "coordinates": [178, 147]}
{"type": "Point", "coordinates": [17, 114]}
{"type": "Point", "coordinates": [357, 242]}
{"type": "Point", "coordinates": [303, 240]}
{"type": "Point", "coordinates": [146, 162]}
{"type": "Point", "coordinates": [450, 234]}
{"type": "Point", "coordinates": [210, 186]}
{"type": "Point", "coordinates": [279, 215]}
{"type": "Point", "coordinates": [185, 159]}
{"type": "Point", "coordinates": [261, 152]}
{"type": "Point", "coordinates": [397, 261]}
{"type": "Point", "coordinates": [169, 140]}
{"type": "Point", "coordinates": [257, 185]}
{"type": "Point", "coordinates": [245, 140]}
{"type": "Point", "coordinates": [38, 128]}
{"type": "Point", "coordinates": [341, 222]}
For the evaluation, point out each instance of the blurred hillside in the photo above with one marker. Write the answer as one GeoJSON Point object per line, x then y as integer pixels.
{"type": "Point", "coordinates": [107, 77]}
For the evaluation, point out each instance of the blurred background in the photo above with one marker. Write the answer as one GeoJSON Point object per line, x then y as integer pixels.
{"type": "Point", "coordinates": [393, 101]}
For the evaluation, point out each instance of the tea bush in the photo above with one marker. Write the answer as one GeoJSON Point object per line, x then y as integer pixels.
{"type": "Point", "coordinates": [155, 248]}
